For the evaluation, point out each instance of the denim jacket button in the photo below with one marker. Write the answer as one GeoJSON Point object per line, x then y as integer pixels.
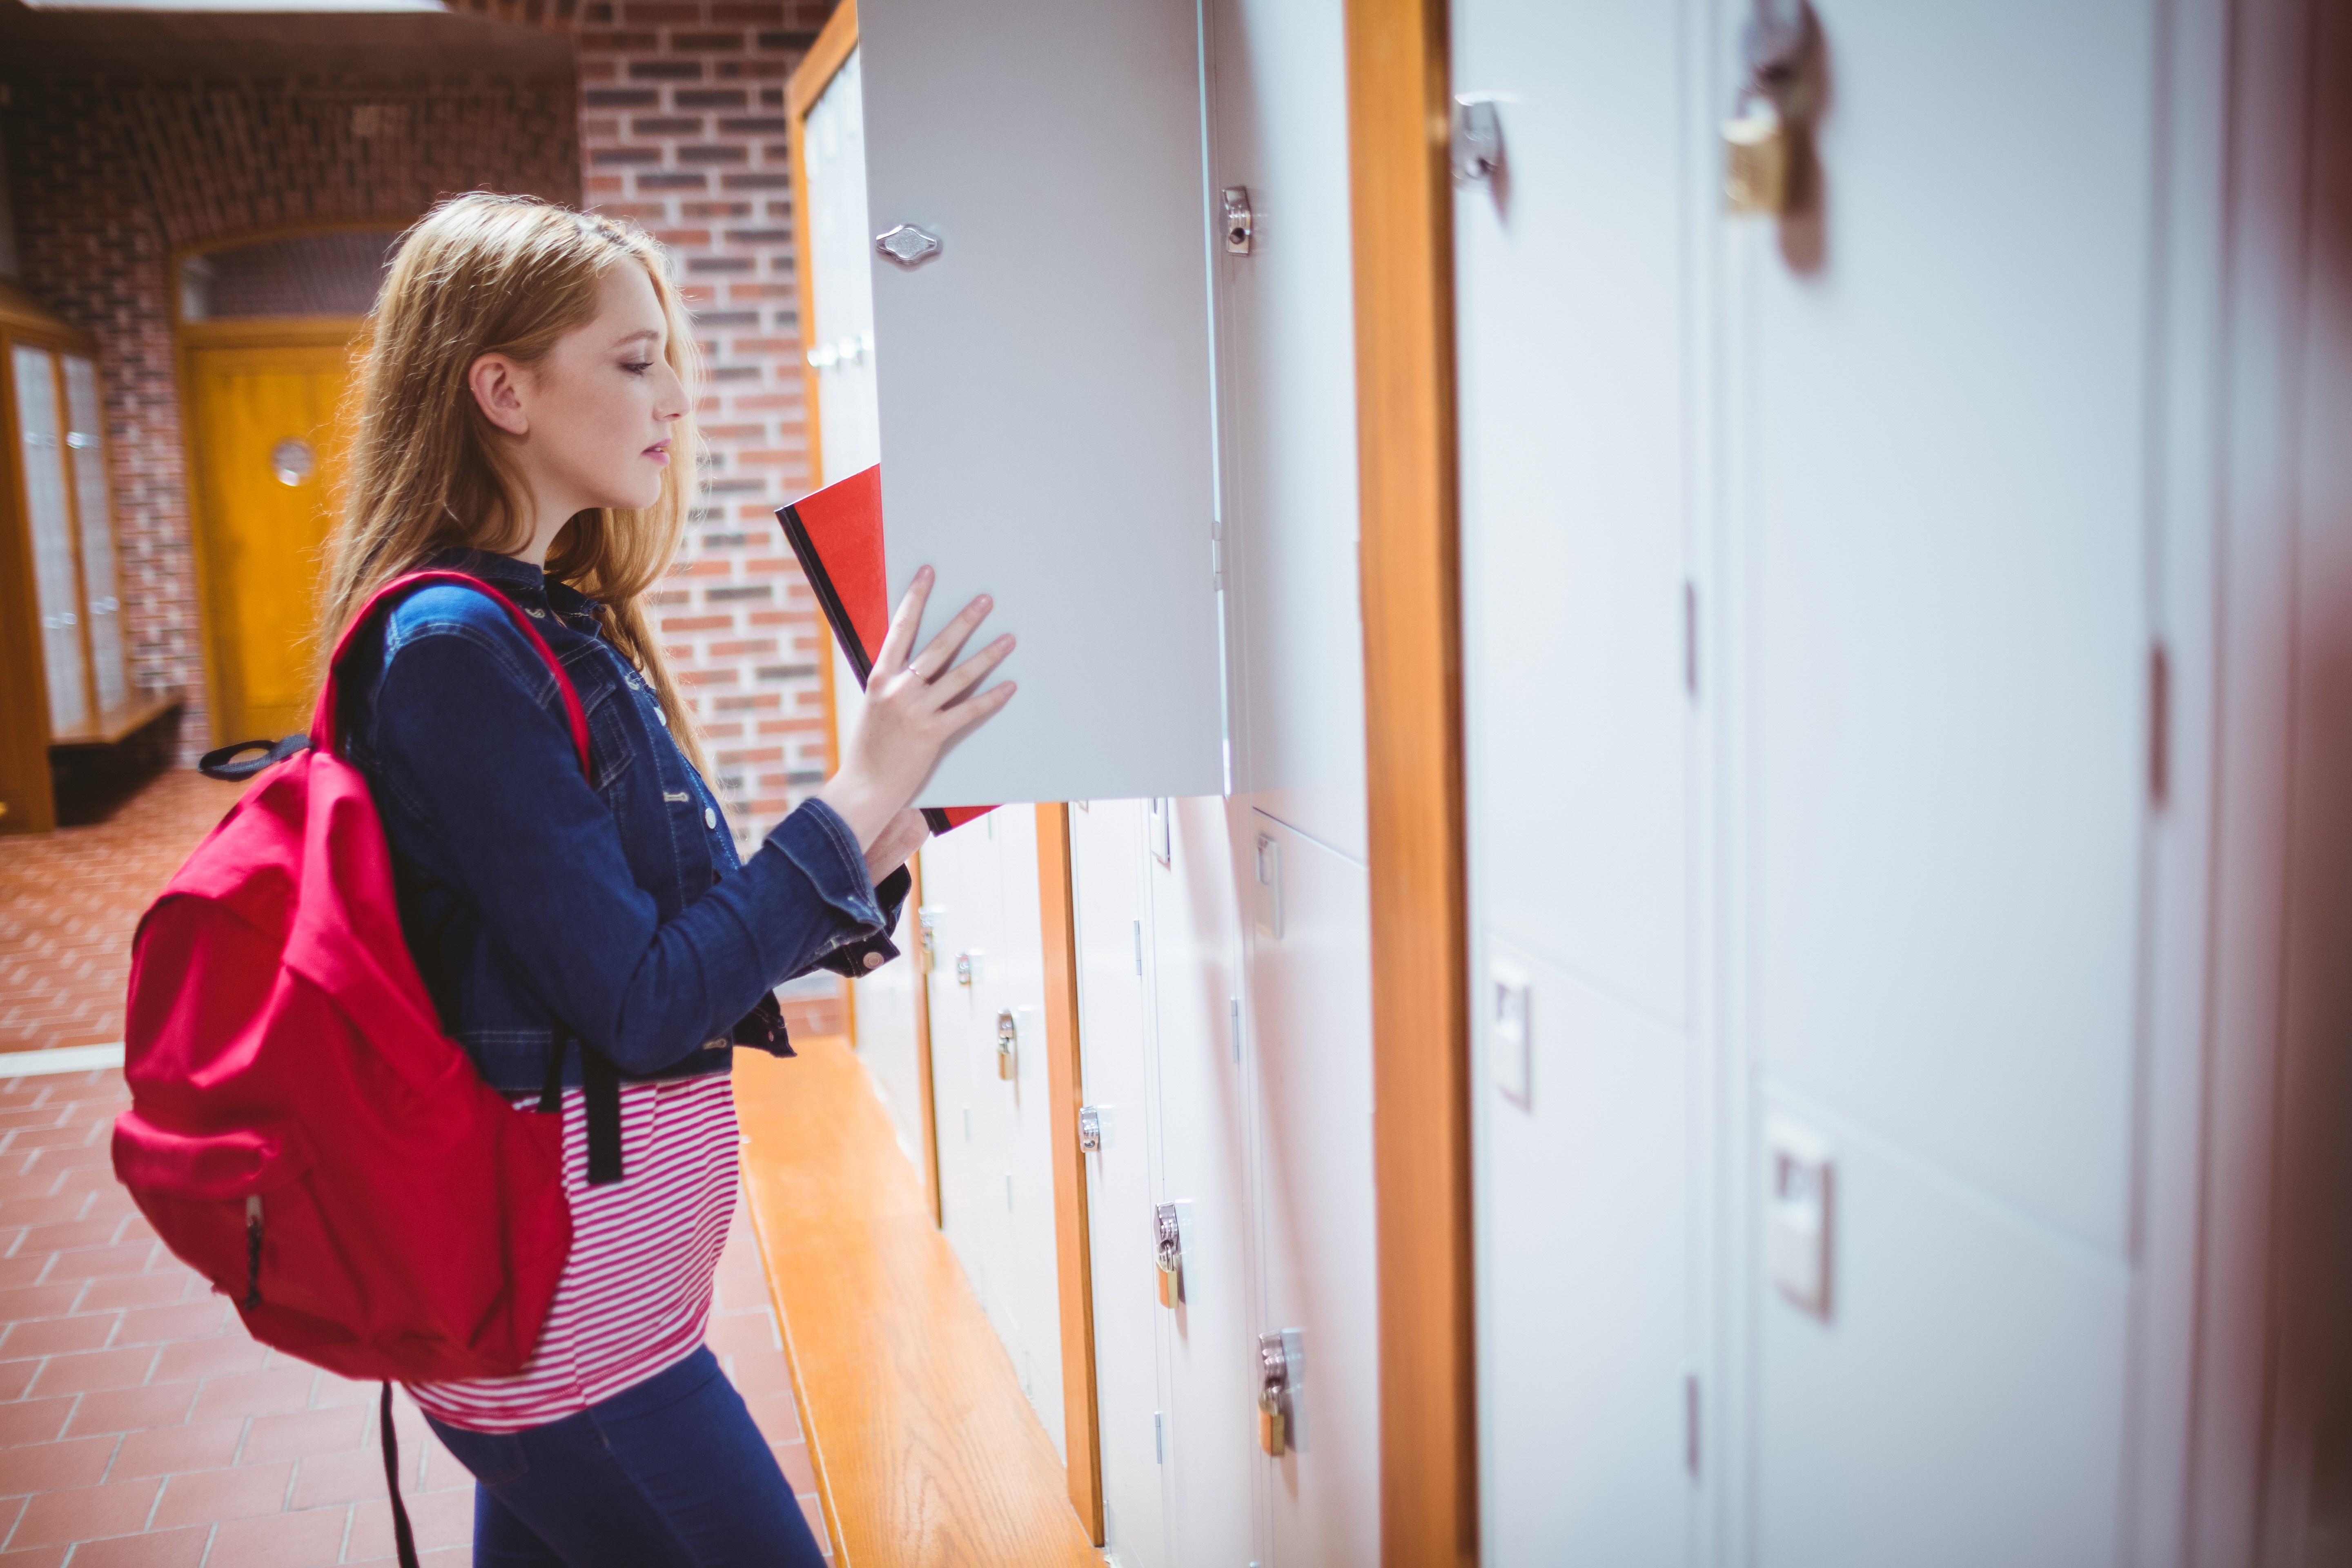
{"type": "Point", "coordinates": [709, 817]}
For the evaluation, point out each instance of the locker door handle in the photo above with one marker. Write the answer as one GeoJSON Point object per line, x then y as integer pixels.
{"type": "Point", "coordinates": [908, 246]}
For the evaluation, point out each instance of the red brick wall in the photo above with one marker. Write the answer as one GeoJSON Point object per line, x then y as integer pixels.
{"type": "Point", "coordinates": [682, 125]}
{"type": "Point", "coordinates": [108, 175]}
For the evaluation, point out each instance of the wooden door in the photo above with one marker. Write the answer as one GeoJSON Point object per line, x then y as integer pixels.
{"type": "Point", "coordinates": [267, 458]}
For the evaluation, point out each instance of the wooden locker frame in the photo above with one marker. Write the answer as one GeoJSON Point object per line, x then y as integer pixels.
{"type": "Point", "coordinates": [1402, 192]}
{"type": "Point", "coordinates": [1072, 1237]}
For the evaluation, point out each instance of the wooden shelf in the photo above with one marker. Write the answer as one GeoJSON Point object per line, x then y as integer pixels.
{"type": "Point", "coordinates": [119, 725]}
{"type": "Point", "coordinates": [925, 1451]}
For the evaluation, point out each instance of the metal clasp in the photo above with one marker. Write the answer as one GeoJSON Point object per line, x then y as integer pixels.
{"type": "Point", "coordinates": [1090, 1129]}
{"type": "Point", "coordinates": [1477, 139]}
{"type": "Point", "coordinates": [1008, 1040]}
{"type": "Point", "coordinates": [1240, 222]}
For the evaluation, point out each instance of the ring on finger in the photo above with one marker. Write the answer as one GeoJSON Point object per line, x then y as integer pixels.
{"type": "Point", "coordinates": [916, 672]}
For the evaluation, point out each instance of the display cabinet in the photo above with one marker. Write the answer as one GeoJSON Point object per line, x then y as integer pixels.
{"type": "Point", "coordinates": [70, 673]}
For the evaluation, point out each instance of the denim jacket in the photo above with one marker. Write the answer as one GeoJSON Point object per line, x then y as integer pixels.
{"type": "Point", "coordinates": [543, 907]}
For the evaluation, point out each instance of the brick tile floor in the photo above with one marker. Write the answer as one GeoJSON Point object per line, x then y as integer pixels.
{"type": "Point", "coordinates": [68, 900]}
{"type": "Point", "coordinates": [141, 1426]}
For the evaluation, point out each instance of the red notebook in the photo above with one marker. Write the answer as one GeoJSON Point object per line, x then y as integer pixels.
{"type": "Point", "coordinates": [837, 534]}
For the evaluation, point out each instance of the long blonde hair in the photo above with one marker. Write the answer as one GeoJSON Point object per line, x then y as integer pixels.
{"type": "Point", "coordinates": [510, 275]}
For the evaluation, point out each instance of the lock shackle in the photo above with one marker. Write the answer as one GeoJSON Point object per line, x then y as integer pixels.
{"type": "Point", "coordinates": [1776, 48]}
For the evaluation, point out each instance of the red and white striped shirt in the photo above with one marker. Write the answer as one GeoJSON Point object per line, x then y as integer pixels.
{"type": "Point", "coordinates": [635, 1298]}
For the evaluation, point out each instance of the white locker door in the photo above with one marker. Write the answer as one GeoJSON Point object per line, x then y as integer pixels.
{"type": "Point", "coordinates": [1195, 965]}
{"type": "Point", "coordinates": [841, 337]}
{"type": "Point", "coordinates": [996, 1174]}
{"type": "Point", "coordinates": [1107, 880]}
{"type": "Point", "coordinates": [1287, 432]}
{"type": "Point", "coordinates": [1309, 1048]}
{"type": "Point", "coordinates": [1574, 463]}
{"type": "Point", "coordinates": [1941, 464]}
{"type": "Point", "coordinates": [1045, 377]}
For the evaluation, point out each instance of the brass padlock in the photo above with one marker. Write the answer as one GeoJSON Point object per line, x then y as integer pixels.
{"type": "Point", "coordinates": [1274, 1381]}
{"type": "Point", "coordinates": [1756, 157]}
{"type": "Point", "coordinates": [1271, 1435]}
{"type": "Point", "coordinates": [1008, 1038]}
{"type": "Point", "coordinates": [1169, 1253]}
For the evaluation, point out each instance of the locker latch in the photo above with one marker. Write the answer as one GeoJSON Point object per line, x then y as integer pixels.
{"type": "Point", "coordinates": [1170, 1254]}
{"type": "Point", "coordinates": [927, 925]}
{"type": "Point", "coordinates": [1477, 139]}
{"type": "Point", "coordinates": [1008, 1038]}
{"type": "Point", "coordinates": [1274, 1381]}
{"type": "Point", "coordinates": [1240, 222]}
{"type": "Point", "coordinates": [963, 969]}
{"type": "Point", "coordinates": [1090, 1129]}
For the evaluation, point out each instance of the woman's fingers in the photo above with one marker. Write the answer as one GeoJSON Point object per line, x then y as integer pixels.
{"type": "Point", "coordinates": [955, 682]}
{"type": "Point", "coordinates": [941, 650]}
{"type": "Point", "coordinates": [892, 655]}
{"type": "Point", "coordinates": [966, 714]}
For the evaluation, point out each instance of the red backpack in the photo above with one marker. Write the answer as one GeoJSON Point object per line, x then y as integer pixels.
{"type": "Point", "coordinates": [301, 1132]}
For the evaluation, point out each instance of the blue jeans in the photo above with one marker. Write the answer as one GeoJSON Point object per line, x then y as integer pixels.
{"type": "Point", "coordinates": [668, 1474]}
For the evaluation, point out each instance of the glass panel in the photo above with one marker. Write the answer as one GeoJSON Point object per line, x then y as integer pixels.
{"type": "Point", "coordinates": [53, 563]}
{"type": "Point", "coordinates": [309, 275]}
{"type": "Point", "coordinates": [84, 418]}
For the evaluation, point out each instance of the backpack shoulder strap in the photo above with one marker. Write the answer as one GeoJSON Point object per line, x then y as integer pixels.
{"type": "Point", "coordinates": [322, 720]}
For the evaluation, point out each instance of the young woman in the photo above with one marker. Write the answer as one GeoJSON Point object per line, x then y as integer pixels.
{"type": "Point", "coordinates": [526, 417]}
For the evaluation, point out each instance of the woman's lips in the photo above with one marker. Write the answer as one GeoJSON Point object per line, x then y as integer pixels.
{"type": "Point", "coordinates": [659, 451]}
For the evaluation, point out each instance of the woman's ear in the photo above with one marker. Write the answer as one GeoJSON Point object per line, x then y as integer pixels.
{"type": "Point", "coordinates": [495, 383]}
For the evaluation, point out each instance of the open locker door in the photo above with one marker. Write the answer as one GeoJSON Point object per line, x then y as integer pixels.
{"type": "Point", "coordinates": [1042, 357]}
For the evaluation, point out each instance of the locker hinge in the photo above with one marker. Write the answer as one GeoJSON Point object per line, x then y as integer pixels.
{"type": "Point", "coordinates": [2159, 725]}
{"type": "Point", "coordinates": [1690, 1423]}
{"type": "Point", "coordinates": [1216, 564]}
{"type": "Point", "coordinates": [1690, 637]}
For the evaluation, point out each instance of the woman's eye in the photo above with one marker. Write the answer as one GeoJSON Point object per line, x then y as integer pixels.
{"type": "Point", "coordinates": [638, 367]}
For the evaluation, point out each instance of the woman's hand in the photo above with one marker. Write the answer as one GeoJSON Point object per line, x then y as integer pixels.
{"type": "Point", "coordinates": [914, 707]}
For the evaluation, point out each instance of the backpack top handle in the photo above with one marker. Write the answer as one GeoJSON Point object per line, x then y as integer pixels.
{"type": "Point", "coordinates": [322, 721]}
